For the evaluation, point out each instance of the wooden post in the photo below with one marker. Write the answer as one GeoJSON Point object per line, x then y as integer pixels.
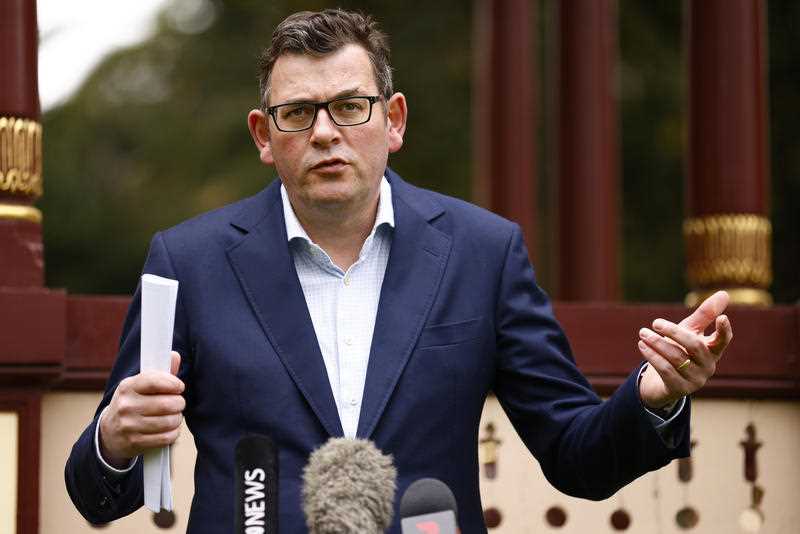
{"type": "Point", "coordinates": [21, 252]}
{"type": "Point", "coordinates": [21, 263]}
{"type": "Point", "coordinates": [727, 229]}
{"type": "Point", "coordinates": [504, 113]}
{"type": "Point", "coordinates": [588, 185]}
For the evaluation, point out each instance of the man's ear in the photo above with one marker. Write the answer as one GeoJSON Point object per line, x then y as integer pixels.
{"type": "Point", "coordinates": [258, 123]}
{"type": "Point", "coordinates": [396, 116]}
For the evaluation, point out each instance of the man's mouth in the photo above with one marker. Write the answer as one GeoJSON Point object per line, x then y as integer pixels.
{"type": "Point", "coordinates": [329, 165]}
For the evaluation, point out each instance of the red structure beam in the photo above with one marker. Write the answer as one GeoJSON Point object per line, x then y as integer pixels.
{"type": "Point", "coordinates": [19, 84]}
{"type": "Point", "coordinates": [27, 405]}
{"type": "Point", "coordinates": [22, 259]}
{"type": "Point", "coordinates": [504, 112]}
{"type": "Point", "coordinates": [764, 360]}
{"type": "Point", "coordinates": [728, 155]}
{"type": "Point", "coordinates": [727, 230]}
{"type": "Point", "coordinates": [31, 318]}
{"type": "Point", "coordinates": [588, 184]}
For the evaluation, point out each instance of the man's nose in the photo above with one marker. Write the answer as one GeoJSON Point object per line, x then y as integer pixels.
{"type": "Point", "coordinates": [324, 130]}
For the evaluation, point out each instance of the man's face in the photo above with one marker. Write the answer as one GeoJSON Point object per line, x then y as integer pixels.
{"type": "Point", "coordinates": [329, 167]}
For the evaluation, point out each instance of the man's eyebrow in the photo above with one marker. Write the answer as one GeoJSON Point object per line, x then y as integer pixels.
{"type": "Point", "coordinates": [347, 92]}
{"type": "Point", "coordinates": [341, 94]}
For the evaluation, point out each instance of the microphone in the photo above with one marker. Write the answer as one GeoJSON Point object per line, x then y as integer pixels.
{"type": "Point", "coordinates": [348, 488]}
{"type": "Point", "coordinates": [256, 491]}
{"type": "Point", "coordinates": [428, 507]}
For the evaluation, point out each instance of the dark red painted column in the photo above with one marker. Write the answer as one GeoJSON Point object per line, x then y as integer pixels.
{"type": "Point", "coordinates": [25, 332]}
{"type": "Point", "coordinates": [727, 229]}
{"type": "Point", "coordinates": [21, 254]}
{"type": "Point", "coordinates": [504, 113]}
{"type": "Point", "coordinates": [588, 146]}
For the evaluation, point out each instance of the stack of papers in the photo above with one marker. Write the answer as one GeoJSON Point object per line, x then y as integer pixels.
{"type": "Point", "coordinates": [159, 296]}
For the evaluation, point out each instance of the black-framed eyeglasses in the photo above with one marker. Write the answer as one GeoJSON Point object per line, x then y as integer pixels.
{"type": "Point", "coordinates": [345, 111]}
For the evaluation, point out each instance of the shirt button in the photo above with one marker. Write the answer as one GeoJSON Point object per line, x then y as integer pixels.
{"type": "Point", "coordinates": [346, 281]}
{"type": "Point", "coordinates": [348, 341]}
{"type": "Point", "coordinates": [353, 402]}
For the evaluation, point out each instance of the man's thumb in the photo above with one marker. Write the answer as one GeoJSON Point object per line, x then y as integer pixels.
{"type": "Point", "coordinates": [175, 363]}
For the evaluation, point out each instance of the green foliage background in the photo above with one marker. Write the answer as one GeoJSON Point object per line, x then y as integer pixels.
{"type": "Point", "coordinates": [157, 134]}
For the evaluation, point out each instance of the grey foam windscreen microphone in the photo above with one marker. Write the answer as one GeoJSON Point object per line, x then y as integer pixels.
{"type": "Point", "coordinates": [256, 491]}
{"type": "Point", "coordinates": [428, 507]}
{"type": "Point", "coordinates": [348, 488]}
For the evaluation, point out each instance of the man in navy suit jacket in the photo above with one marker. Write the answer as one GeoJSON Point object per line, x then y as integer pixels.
{"type": "Point", "coordinates": [451, 312]}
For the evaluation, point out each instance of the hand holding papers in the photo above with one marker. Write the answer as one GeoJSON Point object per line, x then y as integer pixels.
{"type": "Point", "coordinates": [159, 296]}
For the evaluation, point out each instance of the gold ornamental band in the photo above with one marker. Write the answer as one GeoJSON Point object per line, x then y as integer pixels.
{"type": "Point", "coordinates": [744, 296]}
{"type": "Point", "coordinates": [728, 250]}
{"type": "Point", "coordinates": [21, 157]}
{"type": "Point", "coordinates": [23, 213]}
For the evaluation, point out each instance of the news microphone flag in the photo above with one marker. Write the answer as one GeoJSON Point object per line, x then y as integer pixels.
{"type": "Point", "coordinates": [256, 486]}
{"type": "Point", "coordinates": [428, 507]}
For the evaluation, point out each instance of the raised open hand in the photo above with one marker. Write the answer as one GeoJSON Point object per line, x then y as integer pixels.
{"type": "Point", "coordinates": [683, 357]}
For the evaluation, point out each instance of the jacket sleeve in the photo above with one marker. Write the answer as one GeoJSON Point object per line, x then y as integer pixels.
{"type": "Point", "coordinates": [587, 447]}
{"type": "Point", "coordinates": [99, 496]}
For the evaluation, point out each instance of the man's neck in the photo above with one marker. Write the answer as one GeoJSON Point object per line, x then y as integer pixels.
{"type": "Point", "coordinates": [340, 232]}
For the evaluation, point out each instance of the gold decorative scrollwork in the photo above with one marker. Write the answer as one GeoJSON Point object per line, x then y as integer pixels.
{"type": "Point", "coordinates": [729, 251]}
{"type": "Point", "coordinates": [21, 157]}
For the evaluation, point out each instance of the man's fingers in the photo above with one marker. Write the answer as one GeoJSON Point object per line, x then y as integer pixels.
{"type": "Point", "coordinates": [175, 362]}
{"type": "Point", "coordinates": [708, 310]}
{"type": "Point", "coordinates": [692, 343]}
{"type": "Point", "coordinates": [141, 442]}
{"type": "Point", "coordinates": [155, 382]}
{"type": "Point", "coordinates": [671, 377]}
{"type": "Point", "coordinates": [152, 405]}
{"type": "Point", "coordinates": [668, 350]}
{"type": "Point", "coordinates": [722, 336]}
{"type": "Point", "coordinates": [145, 412]}
{"type": "Point", "coordinates": [158, 424]}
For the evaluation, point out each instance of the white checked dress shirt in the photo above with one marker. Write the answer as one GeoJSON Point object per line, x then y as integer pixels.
{"type": "Point", "coordinates": [343, 305]}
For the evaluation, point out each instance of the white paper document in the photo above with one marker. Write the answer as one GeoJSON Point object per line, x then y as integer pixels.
{"type": "Point", "coordinates": [159, 296]}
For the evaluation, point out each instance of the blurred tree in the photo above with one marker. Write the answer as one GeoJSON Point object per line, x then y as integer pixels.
{"type": "Point", "coordinates": [784, 88]}
{"type": "Point", "coordinates": [652, 110]}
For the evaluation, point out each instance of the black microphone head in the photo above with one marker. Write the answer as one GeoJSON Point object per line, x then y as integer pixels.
{"type": "Point", "coordinates": [256, 492]}
{"type": "Point", "coordinates": [427, 496]}
{"type": "Point", "coordinates": [348, 488]}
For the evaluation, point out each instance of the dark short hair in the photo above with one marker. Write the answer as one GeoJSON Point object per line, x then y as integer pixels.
{"type": "Point", "coordinates": [323, 32]}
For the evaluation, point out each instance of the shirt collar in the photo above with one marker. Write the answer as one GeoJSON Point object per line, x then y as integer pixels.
{"type": "Point", "coordinates": [385, 214]}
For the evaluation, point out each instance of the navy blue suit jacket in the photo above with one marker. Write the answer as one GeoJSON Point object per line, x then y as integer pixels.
{"type": "Point", "coordinates": [460, 315]}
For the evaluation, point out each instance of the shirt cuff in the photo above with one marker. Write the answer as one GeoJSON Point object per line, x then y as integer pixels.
{"type": "Point", "coordinates": [659, 422]}
{"type": "Point", "coordinates": [108, 468]}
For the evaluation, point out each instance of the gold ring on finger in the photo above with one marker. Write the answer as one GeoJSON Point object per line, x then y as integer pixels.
{"type": "Point", "coordinates": [685, 364]}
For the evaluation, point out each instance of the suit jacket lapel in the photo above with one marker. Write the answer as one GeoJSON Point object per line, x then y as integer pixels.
{"type": "Point", "coordinates": [416, 265]}
{"type": "Point", "coordinates": [266, 271]}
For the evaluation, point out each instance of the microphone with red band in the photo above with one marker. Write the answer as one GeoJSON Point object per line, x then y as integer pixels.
{"type": "Point", "coordinates": [428, 507]}
{"type": "Point", "coordinates": [348, 488]}
{"type": "Point", "coordinates": [256, 486]}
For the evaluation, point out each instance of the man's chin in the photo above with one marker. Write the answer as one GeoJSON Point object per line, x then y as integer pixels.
{"type": "Point", "coordinates": [331, 198]}
{"type": "Point", "coordinates": [343, 194]}
{"type": "Point", "coordinates": [330, 188]}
